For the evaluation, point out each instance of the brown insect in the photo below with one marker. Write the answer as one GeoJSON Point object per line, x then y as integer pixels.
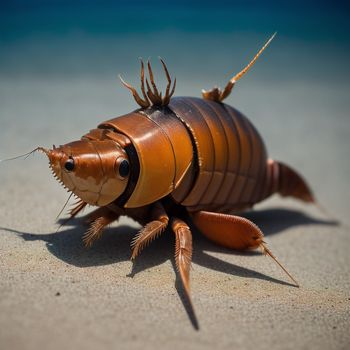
{"type": "Point", "coordinates": [172, 159]}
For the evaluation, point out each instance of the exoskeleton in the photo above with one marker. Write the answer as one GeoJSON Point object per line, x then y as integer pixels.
{"type": "Point", "coordinates": [174, 159]}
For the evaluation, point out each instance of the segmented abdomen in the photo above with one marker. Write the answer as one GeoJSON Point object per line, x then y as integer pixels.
{"type": "Point", "coordinates": [231, 170]}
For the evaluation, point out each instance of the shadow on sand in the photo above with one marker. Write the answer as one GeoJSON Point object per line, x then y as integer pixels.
{"type": "Point", "coordinates": [114, 247]}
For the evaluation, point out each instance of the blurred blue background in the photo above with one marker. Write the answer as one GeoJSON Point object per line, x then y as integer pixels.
{"type": "Point", "coordinates": [101, 37]}
{"type": "Point", "coordinates": [59, 62]}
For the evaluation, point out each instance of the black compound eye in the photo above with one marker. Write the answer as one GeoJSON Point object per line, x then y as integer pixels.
{"type": "Point", "coordinates": [69, 164]}
{"type": "Point", "coordinates": [124, 168]}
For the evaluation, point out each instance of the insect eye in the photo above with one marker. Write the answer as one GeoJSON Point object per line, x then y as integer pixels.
{"type": "Point", "coordinates": [69, 164]}
{"type": "Point", "coordinates": [124, 168]}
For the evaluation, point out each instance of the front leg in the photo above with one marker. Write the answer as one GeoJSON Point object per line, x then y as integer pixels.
{"type": "Point", "coordinates": [98, 219]}
{"type": "Point", "coordinates": [151, 230]}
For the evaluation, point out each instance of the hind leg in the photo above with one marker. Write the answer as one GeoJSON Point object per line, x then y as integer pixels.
{"type": "Point", "coordinates": [230, 231]}
{"type": "Point", "coordinates": [233, 232]}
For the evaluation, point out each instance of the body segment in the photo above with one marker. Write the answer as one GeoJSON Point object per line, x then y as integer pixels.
{"type": "Point", "coordinates": [206, 155]}
{"type": "Point", "coordinates": [231, 155]}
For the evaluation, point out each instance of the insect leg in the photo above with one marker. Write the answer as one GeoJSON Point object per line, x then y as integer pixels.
{"type": "Point", "coordinates": [78, 207]}
{"type": "Point", "coordinates": [183, 252]}
{"type": "Point", "coordinates": [151, 230]}
{"type": "Point", "coordinates": [96, 228]}
{"type": "Point", "coordinates": [233, 232]}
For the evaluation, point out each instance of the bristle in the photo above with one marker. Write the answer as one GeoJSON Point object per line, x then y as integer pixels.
{"type": "Point", "coordinates": [267, 251]}
{"type": "Point", "coordinates": [64, 205]}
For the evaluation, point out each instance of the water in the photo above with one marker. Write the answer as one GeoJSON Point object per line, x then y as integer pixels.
{"type": "Point", "coordinates": [59, 64]}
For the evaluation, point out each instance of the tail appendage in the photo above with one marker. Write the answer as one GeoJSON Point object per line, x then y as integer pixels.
{"type": "Point", "coordinates": [288, 183]}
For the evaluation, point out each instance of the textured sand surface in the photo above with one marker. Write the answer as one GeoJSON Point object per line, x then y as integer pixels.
{"type": "Point", "coordinates": [55, 294]}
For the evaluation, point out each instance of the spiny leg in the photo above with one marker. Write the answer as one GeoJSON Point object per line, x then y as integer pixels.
{"type": "Point", "coordinates": [183, 252]}
{"type": "Point", "coordinates": [77, 208]}
{"type": "Point", "coordinates": [151, 230]}
{"type": "Point", "coordinates": [96, 228]}
{"type": "Point", "coordinates": [219, 95]}
{"type": "Point", "coordinates": [233, 232]}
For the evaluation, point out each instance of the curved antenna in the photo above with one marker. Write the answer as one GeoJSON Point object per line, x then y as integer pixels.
{"type": "Point", "coordinates": [251, 63]}
{"type": "Point", "coordinates": [26, 155]}
{"type": "Point", "coordinates": [219, 95]}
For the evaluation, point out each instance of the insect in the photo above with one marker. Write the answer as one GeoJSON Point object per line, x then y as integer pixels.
{"type": "Point", "coordinates": [172, 159]}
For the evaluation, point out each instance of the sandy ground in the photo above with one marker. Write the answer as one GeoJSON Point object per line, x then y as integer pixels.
{"type": "Point", "coordinates": [55, 294]}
